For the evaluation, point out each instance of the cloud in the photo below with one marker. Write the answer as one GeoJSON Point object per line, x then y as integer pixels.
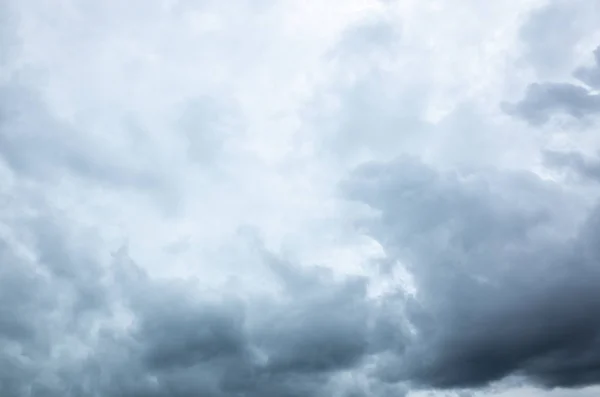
{"type": "Point", "coordinates": [36, 144]}
{"type": "Point", "coordinates": [579, 165]}
{"type": "Point", "coordinates": [51, 302]}
{"type": "Point", "coordinates": [71, 325]}
{"type": "Point", "coordinates": [553, 52]}
{"type": "Point", "coordinates": [172, 223]}
{"type": "Point", "coordinates": [590, 75]}
{"type": "Point", "coordinates": [500, 292]}
{"type": "Point", "coordinates": [543, 101]}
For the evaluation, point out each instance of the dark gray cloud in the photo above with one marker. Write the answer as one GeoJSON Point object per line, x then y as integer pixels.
{"type": "Point", "coordinates": [322, 328]}
{"type": "Point", "coordinates": [500, 292]}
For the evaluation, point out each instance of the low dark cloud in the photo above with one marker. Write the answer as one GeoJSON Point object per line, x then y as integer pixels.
{"type": "Point", "coordinates": [506, 287]}
{"type": "Point", "coordinates": [73, 326]}
{"type": "Point", "coordinates": [323, 327]}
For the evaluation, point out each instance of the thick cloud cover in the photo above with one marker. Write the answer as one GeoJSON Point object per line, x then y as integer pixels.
{"type": "Point", "coordinates": [76, 327]}
{"type": "Point", "coordinates": [501, 292]}
{"type": "Point", "coordinates": [301, 198]}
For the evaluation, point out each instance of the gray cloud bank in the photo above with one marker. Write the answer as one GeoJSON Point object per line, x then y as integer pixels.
{"type": "Point", "coordinates": [73, 327]}
{"type": "Point", "coordinates": [507, 286]}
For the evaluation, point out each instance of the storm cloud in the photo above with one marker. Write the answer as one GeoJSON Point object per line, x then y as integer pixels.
{"type": "Point", "coordinates": [506, 287]}
{"type": "Point", "coordinates": [501, 291]}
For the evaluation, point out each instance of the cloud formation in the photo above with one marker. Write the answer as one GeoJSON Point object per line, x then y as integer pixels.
{"type": "Point", "coordinates": [75, 327]}
{"type": "Point", "coordinates": [302, 198]}
{"type": "Point", "coordinates": [544, 100]}
{"type": "Point", "coordinates": [500, 293]}
{"type": "Point", "coordinates": [581, 166]}
{"type": "Point", "coordinates": [550, 51]}
{"type": "Point", "coordinates": [590, 75]}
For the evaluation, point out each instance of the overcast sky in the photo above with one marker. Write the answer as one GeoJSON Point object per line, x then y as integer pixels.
{"type": "Point", "coordinates": [260, 198]}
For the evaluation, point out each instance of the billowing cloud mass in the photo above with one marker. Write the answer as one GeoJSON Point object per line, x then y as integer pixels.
{"type": "Point", "coordinates": [302, 198]}
{"type": "Point", "coordinates": [500, 292]}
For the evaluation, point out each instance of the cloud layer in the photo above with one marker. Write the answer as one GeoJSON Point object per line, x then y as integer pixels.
{"type": "Point", "coordinates": [501, 292]}
{"type": "Point", "coordinates": [346, 198]}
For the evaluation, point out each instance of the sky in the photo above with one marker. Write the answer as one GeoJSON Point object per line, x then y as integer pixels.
{"type": "Point", "coordinates": [260, 198]}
